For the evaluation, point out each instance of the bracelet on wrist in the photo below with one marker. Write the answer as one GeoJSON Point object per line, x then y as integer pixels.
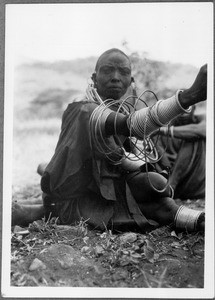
{"type": "Point", "coordinates": [172, 132]}
{"type": "Point", "coordinates": [164, 130]}
{"type": "Point", "coordinates": [177, 96]}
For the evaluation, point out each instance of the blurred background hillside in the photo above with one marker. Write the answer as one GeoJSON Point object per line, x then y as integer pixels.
{"type": "Point", "coordinates": [42, 91]}
{"type": "Point", "coordinates": [52, 50]}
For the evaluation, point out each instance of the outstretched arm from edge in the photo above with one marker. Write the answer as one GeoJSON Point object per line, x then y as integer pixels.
{"type": "Point", "coordinates": [196, 93]}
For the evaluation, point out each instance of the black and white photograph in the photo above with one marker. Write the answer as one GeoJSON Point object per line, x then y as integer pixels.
{"type": "Point", "coordinates": [108, 150]}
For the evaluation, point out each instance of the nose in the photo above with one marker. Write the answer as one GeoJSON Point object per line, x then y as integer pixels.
{"type": "Point", "coordinates": [116, 76]}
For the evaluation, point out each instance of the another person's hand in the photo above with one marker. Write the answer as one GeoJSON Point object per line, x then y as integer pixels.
{"type": "Point", "coordinates": [197, 92]}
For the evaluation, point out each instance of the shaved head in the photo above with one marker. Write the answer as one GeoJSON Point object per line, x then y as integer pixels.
{"type": "Point", "coordinates": [112, 75]}
{"type": "Point", "coordinates": [106, 53]}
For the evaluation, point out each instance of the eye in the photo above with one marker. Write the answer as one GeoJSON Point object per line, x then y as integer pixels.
{"type": "Point", "coordinates": [107, 69]}
{"type": "Point", "coordinates": [125, 71]}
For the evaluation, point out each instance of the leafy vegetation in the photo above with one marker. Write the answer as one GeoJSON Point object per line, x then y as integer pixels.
{"type": "Point", "coordinates": [49, 254]}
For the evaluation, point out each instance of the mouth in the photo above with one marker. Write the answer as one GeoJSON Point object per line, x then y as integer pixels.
{"type": "Point", "coordinates": [115, 88]}
{"type": "Point", "coordinates": [114, 92]}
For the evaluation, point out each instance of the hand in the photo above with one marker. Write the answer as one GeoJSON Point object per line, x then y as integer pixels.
{"type": "Point", "coordinates": [197, 92]}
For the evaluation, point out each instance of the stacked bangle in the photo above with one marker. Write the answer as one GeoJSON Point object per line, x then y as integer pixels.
{"type": "Point", "coordinates": [186, 218]}
{"type": "Point", "coordinates": [164, 130]}
{"type": "Point", "coordinates": [172, 131]}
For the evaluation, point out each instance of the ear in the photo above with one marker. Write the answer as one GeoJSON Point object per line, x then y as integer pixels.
{"type": "Point", "coordinates": [133, 86]}
{"type": "Point", "coordinates": [93, 77]}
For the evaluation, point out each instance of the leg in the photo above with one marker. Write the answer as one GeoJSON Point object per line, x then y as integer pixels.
{"type": "Point", "coordinates": [143, 191]}
{"type": "Point", "coordinates": [29, 202]}
{"type": "Point", "coordinates": [27, 211]}
{"type": "Point", "coordinates": [23, 214]}
{"type": "Point", "coordinates": [162, 211]}
{"type": "Point", "coordinates": [159, 206]}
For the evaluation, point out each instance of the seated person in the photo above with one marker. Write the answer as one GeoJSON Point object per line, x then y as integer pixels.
{"type": "Point", "coordinates": [96, 173]}
{"type": "Point", "coordinates": [182, 148]}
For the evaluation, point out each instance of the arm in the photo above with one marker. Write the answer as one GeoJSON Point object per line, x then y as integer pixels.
{"type": "Point", "coordinates": [160, 114]}
{"type": "Point", "coordinates": [197, 92]}
{"type": "Point", "coordinates": [186, 132]}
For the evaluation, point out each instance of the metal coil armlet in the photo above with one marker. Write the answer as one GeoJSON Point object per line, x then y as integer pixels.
{"type": "Point", "coordinates": [186, 218]}
{"type": "Point", "coordinates": [144, 149]}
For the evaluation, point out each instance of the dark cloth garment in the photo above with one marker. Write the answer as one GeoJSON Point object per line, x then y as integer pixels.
{"type": "Point", "coordinates": [186, 160]}
{"type": "Point", "coordinates": [81, 181]}
{"type": "Point", "coordinates": [188, 174]}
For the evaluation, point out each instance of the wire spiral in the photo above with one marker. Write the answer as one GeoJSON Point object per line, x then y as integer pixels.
{"type": "Point", "coordinates": [144, 150]}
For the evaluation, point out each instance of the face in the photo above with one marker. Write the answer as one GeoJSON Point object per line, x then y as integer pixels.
{"type": "Point", "coordinates": [113, 76]}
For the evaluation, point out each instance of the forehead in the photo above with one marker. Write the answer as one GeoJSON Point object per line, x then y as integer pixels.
{"type": "Point", "coordinates": [114, 58]}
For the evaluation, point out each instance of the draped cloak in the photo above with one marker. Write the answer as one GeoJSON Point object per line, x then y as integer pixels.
{"type": "Point", "coordinates": [186, 159]}
{"type": "Point", "coordinates": [83, 181]}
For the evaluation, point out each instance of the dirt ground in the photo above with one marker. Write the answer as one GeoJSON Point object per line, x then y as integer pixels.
{"type": "Point", "coordinates": [48, 254]}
